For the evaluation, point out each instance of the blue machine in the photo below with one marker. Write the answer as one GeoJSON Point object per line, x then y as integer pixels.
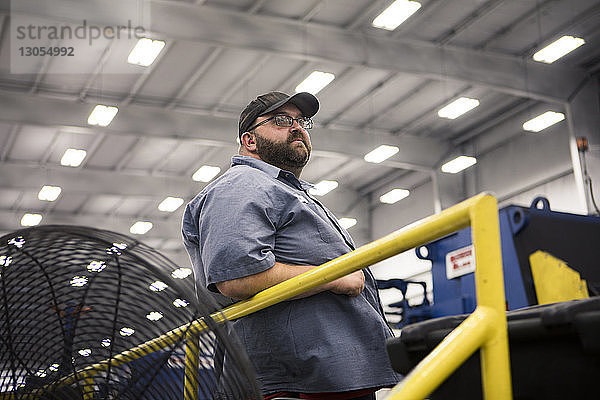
{"type": "Point", "coordinates": [572, 238]}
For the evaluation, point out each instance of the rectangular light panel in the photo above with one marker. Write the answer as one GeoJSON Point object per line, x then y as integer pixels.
{"type": "Point", "coordinates": [394, 196]}
{"type": "Point", "coordinates": [205, 173]}
{"type": "Point", "coordinates": [398, 12]}
{"type": "Point", "coordinates": [315, 82]}
{"type": "Point", "coordinates": [31, 219]}
{"type": "Point", "coordinates": [458, 164]}
{"type": "Point", "coordinates": [322, 188]}
{"type": "Point", "coordinates": [49, 193]}
{"type": "Point", "coordinates": [381, 153]}
{"type": "Point", "coordinates": [543, 121]}
{"type": "Point", "coordinates": [73, 157]}
{"type": "Point", "coordinates": [140, 227]}
{"type": "Point", "coordinates": [102, 115]}
{"type": "Point", "coordinates": [145, 52]}
{"type": "Point", "coordinates": [458, 107]}
{"type": "Point", "coordinates": [170, 204]}
{"type": "Point", "coordinates": [347, 223]}
{"type": "Point", "coordinates": [558, 49]}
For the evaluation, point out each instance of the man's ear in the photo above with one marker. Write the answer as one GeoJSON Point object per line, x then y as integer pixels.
{"type": "Point", "coordinates": [248, 141]}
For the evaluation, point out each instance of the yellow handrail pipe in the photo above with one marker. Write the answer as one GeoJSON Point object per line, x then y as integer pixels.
{"type": "Point", "coordinates": [486, 327]}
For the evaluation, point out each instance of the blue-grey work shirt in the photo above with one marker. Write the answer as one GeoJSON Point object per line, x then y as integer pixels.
{"type": "Point", "coordinates": [242, 223]}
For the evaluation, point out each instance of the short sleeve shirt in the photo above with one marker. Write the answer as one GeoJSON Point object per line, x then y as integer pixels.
{"type": "Point", "coordinates": [242, 223]}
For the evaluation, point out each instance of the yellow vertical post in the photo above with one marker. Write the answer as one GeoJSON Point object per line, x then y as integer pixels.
{"type": "Point", "coordinates": [192, 364]}
{"type": "Point", "coordinates": [88, 387]}
{"type": "Point", "coordinates": [489, 287]}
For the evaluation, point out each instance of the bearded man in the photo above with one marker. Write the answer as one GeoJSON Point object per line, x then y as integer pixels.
{"type": "Point", "coordinates": [256, 226]}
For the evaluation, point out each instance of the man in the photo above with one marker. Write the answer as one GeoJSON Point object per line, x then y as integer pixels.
{"type": "Point", "coordinates": [256, 226]}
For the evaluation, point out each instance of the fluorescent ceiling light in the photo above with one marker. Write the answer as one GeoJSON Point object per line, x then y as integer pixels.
{"type": "Point", "coordinates": [347, 223]}
{"type": "Point", "coordinates": [458, 107]}
{"type": "Point", "coordinates": [181, 273]}
{"type": "Point", "coordinates": [105, 342]}
{"type": "Point", "coordinates": [543, 121]}
{"type": "Point", "coordinates": [180, 303]}
{"type": "Point", "coordinates": [73, 157]}
{"type": "Point", "coordinates": [170, 204]}
{"type": "Point", "coordinates": [398, 12]}
{"type": "Point", "coordinates": [49, 193]}
{"type": "Point", "coordinates": [394, 196]}
{"type": "Point", "coordinates": [140, 227]}
{"type": "Point", "coordinates": [145, 52]}
{"type": "Point", "coordinates": [54, 367]}
{"type": "Point", "coordinates": [154, 316]}
{"type": "Point", "coordinates": [79, 281]}
{"type": "Point", "coordinates": [125, 331]}
{"type": "Point", "coordinates": [102, 115]}
{"type": "Point", "coordinates": [85, 352]}
{"type": "Point", "coordinates": [158, 286]}
{"type": "Point", "coordinates": [41, 373]}
{"type": "Point", "coordinates": [205, 173]}
{"type": "Point", "coordinates": [31, 219]}
{"type": "Point", "coordinates": [322, 188]}
{"type": "Point", "coordinates": [381, 153]}
{"type": "Point", "coordinates": [458, 164]}
{"type": "Point", "coordinates": [315, 82]}
{"type": "Point", "coordinates": [558, 49]}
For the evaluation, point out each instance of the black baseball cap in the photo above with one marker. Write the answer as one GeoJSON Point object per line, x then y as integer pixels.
{"type": "Point", "coordinates": [264, 104]}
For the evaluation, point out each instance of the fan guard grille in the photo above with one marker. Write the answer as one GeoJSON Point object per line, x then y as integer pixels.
{"type": "Point", "coordinates": [72, 297]}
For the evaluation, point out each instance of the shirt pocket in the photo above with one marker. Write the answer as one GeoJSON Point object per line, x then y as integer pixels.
{"type": "Point", "coordinates": [327, 231]}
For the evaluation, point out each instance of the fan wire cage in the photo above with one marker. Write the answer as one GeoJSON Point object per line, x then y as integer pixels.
{"type": "Point", "coordinates": [92, 314]}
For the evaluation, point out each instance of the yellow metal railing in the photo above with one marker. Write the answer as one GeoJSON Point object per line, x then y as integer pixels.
{"type": "Point", "coordinates": [484, 329]}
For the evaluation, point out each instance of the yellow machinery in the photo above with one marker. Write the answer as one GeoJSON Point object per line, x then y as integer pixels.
{"type": "Point", "coordinates": [554, 280]}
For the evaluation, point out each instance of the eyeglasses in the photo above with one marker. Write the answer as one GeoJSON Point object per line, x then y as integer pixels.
{"type": "Point", "coordinates": [286, 121]}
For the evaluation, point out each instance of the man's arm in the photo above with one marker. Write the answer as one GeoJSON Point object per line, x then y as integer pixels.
{"type": "Point", "coordinates": [242, 288]}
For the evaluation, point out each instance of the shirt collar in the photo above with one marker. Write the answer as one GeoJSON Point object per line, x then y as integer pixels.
{"type": "Point", "coordinates": [270, 170]}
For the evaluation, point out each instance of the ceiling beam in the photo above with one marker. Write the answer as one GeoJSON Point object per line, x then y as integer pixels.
{"type": "Point", "coordinates": [572, 25]}
{"type": "Point", "coordinates": [469, 21]}
{"type": "Point", "coordinates": [89, 83]}
{"type": "Point", "coordinates": [365, 13]}
{"type": "Point", "coordinates": [522, 19]}
{"type": "Point", "coordinates": [304, 40]}
{"type": "Point", "coordinates": [154, 122]}
{"type": "Point", "coordinates": [25, 176]}
{"type": "Point", "coordinates": [367, 96]}
{"type": "Point", "coordinates": [146, 74]}
{"type": "Point", "coordinates": [199, 72]}
{"type": "Point", "coordinates": [508, 111]}
{"type": "Point", "coordinates": [396, 103]}
{"type": "Point", "coordinates": [162, 228]}
{"type": "Point", "coordinates": [10, 141]}
{"type": "Point", "coordinates": [418, 18]}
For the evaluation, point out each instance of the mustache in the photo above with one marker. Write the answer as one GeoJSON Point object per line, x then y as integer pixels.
{"type": "Point", "coordinates": [293, 137]}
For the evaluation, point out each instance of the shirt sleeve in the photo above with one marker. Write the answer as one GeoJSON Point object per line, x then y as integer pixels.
{"type": "Point", "coordinates": [236, 232]}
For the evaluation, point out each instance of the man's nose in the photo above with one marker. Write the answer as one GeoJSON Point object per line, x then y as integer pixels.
{"type": "Point", "coordinates": [296, 124]}
{"type": "Point", "coordinates": [296, 130]}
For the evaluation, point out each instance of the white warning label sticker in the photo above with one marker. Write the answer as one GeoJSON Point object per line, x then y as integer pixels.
{"type": "Point", "coordinates": [460, 262]}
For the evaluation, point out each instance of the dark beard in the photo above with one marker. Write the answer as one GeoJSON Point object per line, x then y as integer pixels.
{"type": "Point", "coordinates": [282, 155]}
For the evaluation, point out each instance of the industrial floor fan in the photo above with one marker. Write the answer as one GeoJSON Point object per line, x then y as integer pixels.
{"type": "Point", "coordinates": [78, 307]}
